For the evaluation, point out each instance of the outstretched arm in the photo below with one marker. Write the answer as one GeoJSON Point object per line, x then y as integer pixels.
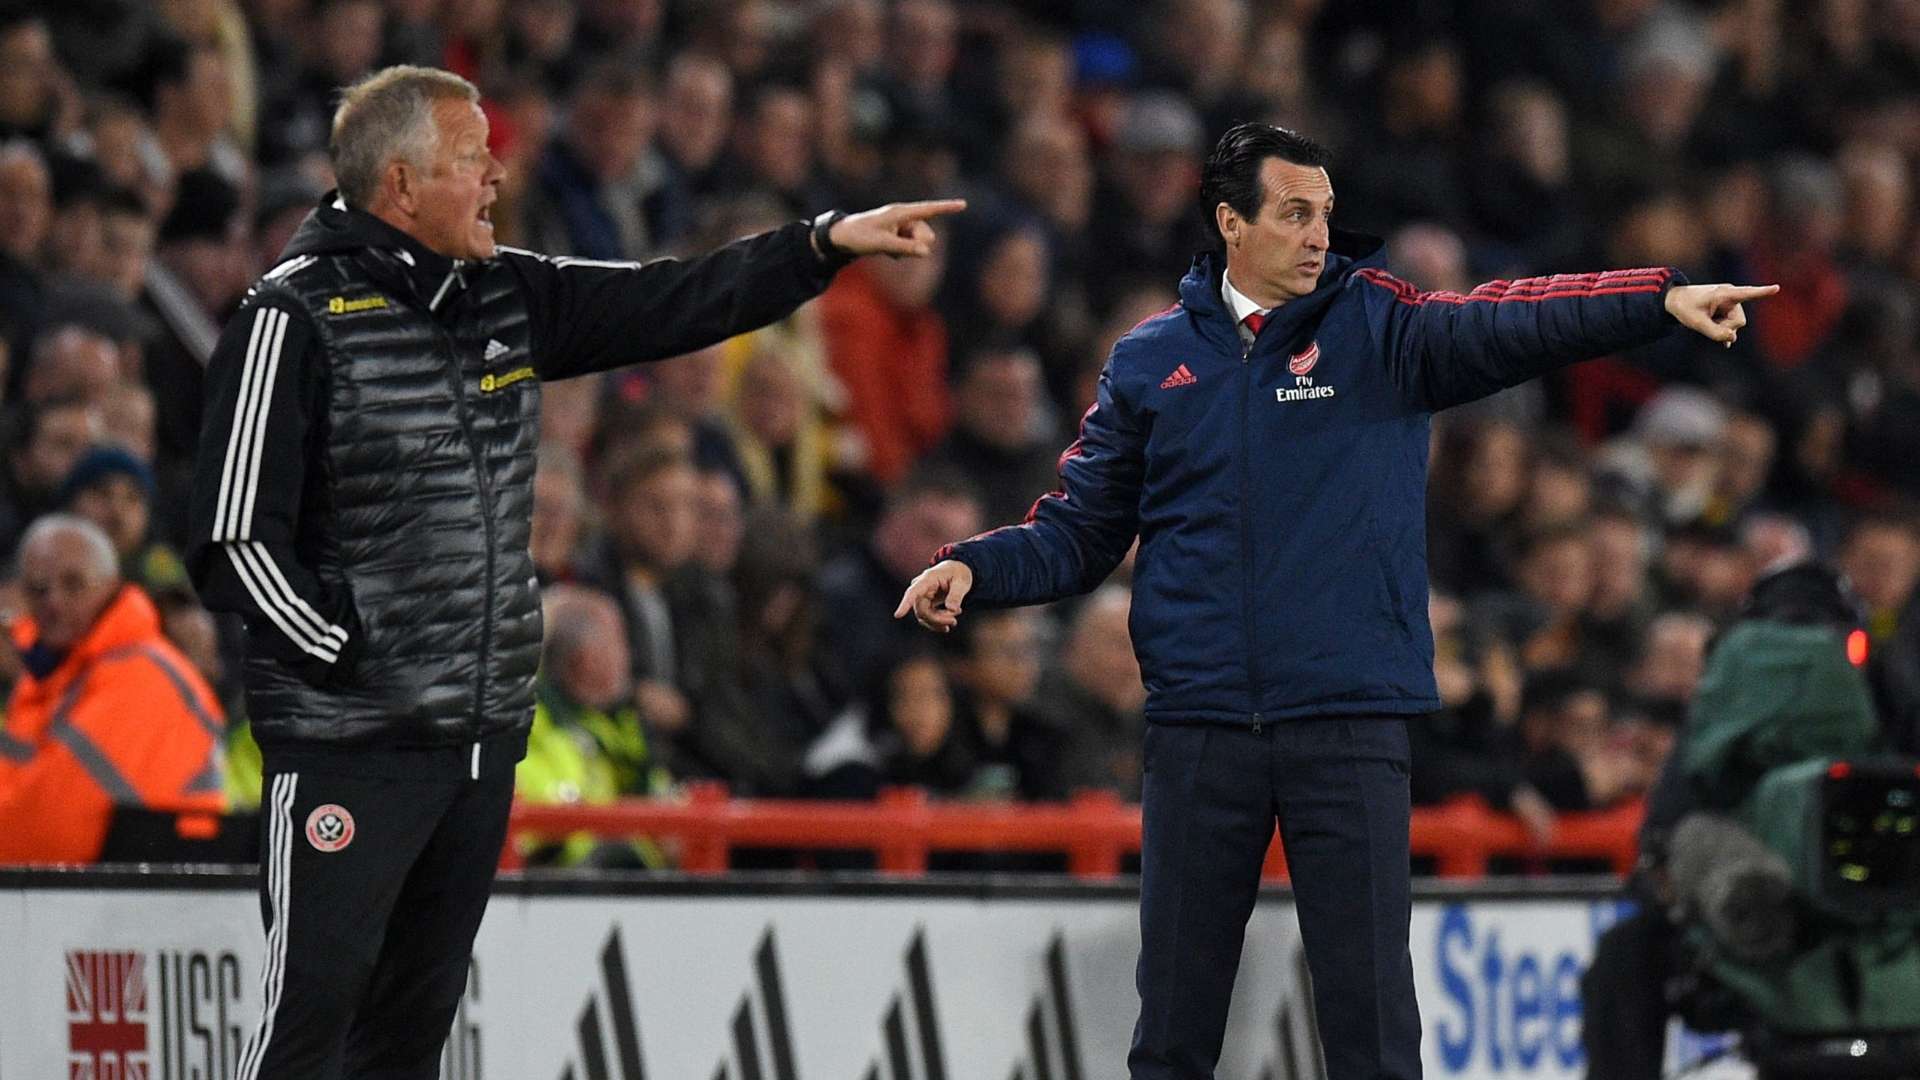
{"type": "Point", "coordinates": [1447, 348]}
{"type": "Point", "coordinates": [1072, 538]}
{"type": "Point", "coordinates": [591, 315]}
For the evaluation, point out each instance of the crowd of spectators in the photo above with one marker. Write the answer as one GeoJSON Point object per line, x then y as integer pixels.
{"type": "Point", "coordinates": [725, 534]}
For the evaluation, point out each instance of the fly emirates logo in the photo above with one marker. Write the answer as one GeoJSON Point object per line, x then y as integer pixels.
{"type": "Point", "coordinates": [1303, 388]}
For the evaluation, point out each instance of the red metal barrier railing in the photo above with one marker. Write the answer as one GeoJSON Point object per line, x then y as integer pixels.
{"type": "Point", "coordinates": [1095, 830]}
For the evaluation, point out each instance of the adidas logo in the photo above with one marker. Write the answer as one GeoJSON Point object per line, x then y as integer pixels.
{"type": "Point", "coordinates": [626, 1026]}
{"type": "Point", "coordinates": [495, 350]}
{"type": "Point", "coordinates": [608, 1045]}
{"type": "Point", "coordinates": [926, 1024]}
{"type": "Point", "coordinates": [1063, 1050]}
{"type": "Point", "coordinates": [1180, 377]}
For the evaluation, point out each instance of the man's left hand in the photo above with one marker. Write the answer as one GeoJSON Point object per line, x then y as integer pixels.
{"type": "Point", "coordinates": [1714, 311]}
{"type": "Point", "coordinates": [894, 229]}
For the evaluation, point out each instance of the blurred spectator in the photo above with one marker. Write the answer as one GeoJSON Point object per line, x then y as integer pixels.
{"type": "Point", "coordinates": [995, 666]}
{"type": "Point", "coordinates": [773, 149]}
{"type": "Point", "coordinates": [1523, 192]}
{"type": "Point", "coordinates": [997, 288]}
{"type": "Point", "coordinates": [682, 628]}
{"type": "Point", "coordinates": [197, 273]}
{"type": "Point", "coordinates": [1884, 387]}
{"type": "Point", "coordinates": [921, 49]}
{"type": "Point", "coordinates": [1799, 251]}
{"type": "Point", "coordinates": [916, 741]}
{"type": "Point", "coordinates": [1143, 219]}
{"type": "Point", "coordinates": [1663, 676]}
{"type": "Point", "coordinates": [888, 347]}
{"type": "Point", "coordinates": [26, 208]}
{"type": "Point", "coordinates": [126, 243]}
{"type": "Point", "coordinates": [340, 44]}
{"type": "Point", "coordinates": [1707, 568]}
{"type": "Point", "coordinates": [1664, 79]}
{"type": "Point", "coordinates": [1049, 174]}
{"type": "Point", "coordinates": [539, 35]}
{"type": "Point", "coordinates": [617, 28]}
{"type": "Point", "coordinates": [1480, 473]}
{"type": "Point", "coordinates": [1669, 461]}
{"type": "Point", "coordinates": [108, 713]}
{"type": "Point", "coordinates": [1542, 619]}
{"type": "Point", "coordinates": [1623, 597]}
{"type": "Point", "coordinates": [696, 104]}
{"type": "Point", "coordinates": [859, 588]}
{"type": "Point", "coordinates": [189, 99]}
{"type": "Point", "coordinates": [1881, 559]}
{"type": "Point", "coordinates": [592, 190]}
{"type": "Point", "coordinates": [1559, 490]}
{"type": "Point", "coordinates": [651, 515]}
{"type": "Point", "coordinates": [1572, 758]}
{"type": "Point", "coordinates": [791, 681]}
{"type": "Point", "coordinates": [1743, 461]}
{"type": "Point", "coordinates": [1001, 439]}
{"type": "Point", "coordinates": [587, 744]}
{"type": "Point", "coordinates": [73, 243]}
{"type": "Point", "coordinates": [1878, 191]}
{"type": "Point", "coordinates": [570, 414]}
{"type": "Point", "coordinates": [559, 513]}
{"type": "Point", "coordinates": [71, 362]}
{"type": "Point", "coordinates": [113, 489]}
{"type": "Point", "coordinates": [780, 439]}
{"type": "Point", "coordinates": [44, 441]}
{"type": "Point", "coordinates": [1093, 699]}
{"type": "Point", "coordinates": [1472, 745]}
{"type": "Point", "coordinates": [34, 91]}
{"type": "Point", "coordinates": [1416, 173]}
{"type": "Point", "coordinates": [127, 419]}
{"type": "Point", "coordinates": [693, 388]}
{"type": "Point", "coordinates": [721, 522]}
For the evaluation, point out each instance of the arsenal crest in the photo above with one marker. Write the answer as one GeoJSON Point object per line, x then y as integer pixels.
{"type": "Point", "coordinates": [1302, 362]}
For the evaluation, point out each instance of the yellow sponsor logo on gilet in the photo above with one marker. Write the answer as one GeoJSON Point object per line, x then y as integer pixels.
{"type": "Point", "coordinates": [340, 305]}
{"type": "Point", "coordinates": [490, 382]}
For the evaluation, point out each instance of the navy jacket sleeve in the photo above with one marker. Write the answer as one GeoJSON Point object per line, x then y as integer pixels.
{"type": "Point", "coordinates": [264, 382]}
{"type": "Point", "coordinates": [1448, 348]}
{"type": "Point", "coordinates": [1073, 538]}
{"type": "Point", "coordinates": [592, 315]}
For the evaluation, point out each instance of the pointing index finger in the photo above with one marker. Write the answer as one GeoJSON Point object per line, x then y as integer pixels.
{"type": "Point", "coordinates": [1750, 292]}
{"type": "Point", "coordinates": [931, 208]}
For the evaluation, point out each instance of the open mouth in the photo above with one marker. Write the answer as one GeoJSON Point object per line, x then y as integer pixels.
{"type": "Point", "coordinates": [485, 216]}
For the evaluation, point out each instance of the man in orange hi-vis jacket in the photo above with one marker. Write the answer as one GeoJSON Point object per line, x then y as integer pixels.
{"type": "Point", "coordinates": [106, 714]}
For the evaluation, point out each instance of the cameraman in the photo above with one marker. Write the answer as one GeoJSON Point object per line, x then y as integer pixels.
{"type": "Point", "coordinates": [1629, 990]}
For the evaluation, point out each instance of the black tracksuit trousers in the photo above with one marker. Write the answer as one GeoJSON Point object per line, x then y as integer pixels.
{"type": "Point", "coordinates": [1338, 787]}
{"type": "Point", "coordinates": [372, 888]}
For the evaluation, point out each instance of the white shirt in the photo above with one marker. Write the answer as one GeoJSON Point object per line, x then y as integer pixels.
{"type": "Point", "coordinates": [1241, 306]}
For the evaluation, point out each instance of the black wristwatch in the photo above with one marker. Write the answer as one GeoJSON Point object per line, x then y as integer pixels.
{"type": "Point", "coordinates": [829, 252]}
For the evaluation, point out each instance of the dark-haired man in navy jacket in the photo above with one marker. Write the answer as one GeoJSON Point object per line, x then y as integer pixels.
{"type": "Point", "coordinates": [1266, 440]}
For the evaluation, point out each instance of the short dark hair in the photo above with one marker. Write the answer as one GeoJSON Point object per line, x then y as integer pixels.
{"type": "Point", "coordinates": [1231, 173]}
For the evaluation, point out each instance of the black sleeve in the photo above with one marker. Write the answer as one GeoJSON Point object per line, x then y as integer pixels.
{"type": "Point", "coordinates": [592, 315]}
{"type": "Point", "coordinates": [263, 386]}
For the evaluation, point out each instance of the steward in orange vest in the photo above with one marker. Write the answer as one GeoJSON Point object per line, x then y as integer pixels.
{"type": "Point", "coordinates": [107, 712]}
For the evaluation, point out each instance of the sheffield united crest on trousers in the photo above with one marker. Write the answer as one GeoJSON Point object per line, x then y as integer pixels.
{"type": "Point", "coordinates": [329, 827]}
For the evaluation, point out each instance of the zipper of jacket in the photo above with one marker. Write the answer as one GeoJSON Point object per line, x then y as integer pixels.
{"type": "Point", "coordinates": [1246, 528]}
{"type": "Point", "coordinates": [486, 520]}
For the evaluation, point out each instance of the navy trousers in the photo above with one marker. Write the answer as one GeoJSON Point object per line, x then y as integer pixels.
{"type": "Point", "coordinates": [1338, 789]}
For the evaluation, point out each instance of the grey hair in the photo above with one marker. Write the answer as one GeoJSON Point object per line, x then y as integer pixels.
{"type": "Point", "coordinates": [101, 558]}
{"type": "Point", "coordinates": [389, 115]}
